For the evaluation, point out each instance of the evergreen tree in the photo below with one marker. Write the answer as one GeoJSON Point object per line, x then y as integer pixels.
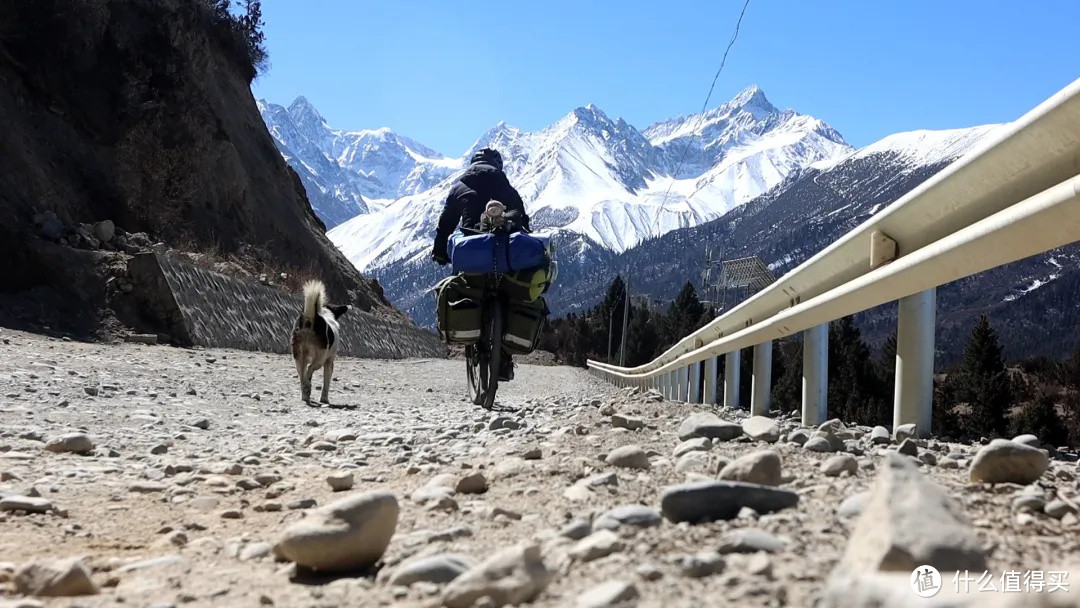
{"type": "Point", "coordinates": [1040, 418]}
{"type": "Point", "coordinates": [983, 382]}
{"type": "Point", "coordinates": [887, 365]}
{"type": "Point", "coordinates": [787, 374]}
{"type": "Point", "coordinates": [641, 336]}
{"type": "Point", "coordinates": [856, 393]}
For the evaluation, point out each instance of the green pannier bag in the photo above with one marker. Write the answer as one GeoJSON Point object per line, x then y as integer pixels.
{"type": "Point", "coordinates": [457, 310]}
{"type": "Point", "coordinates": [524, 322]}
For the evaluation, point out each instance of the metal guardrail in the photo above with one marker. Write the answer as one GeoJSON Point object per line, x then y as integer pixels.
{"type": "Point", "coordinates": [1013, 196]}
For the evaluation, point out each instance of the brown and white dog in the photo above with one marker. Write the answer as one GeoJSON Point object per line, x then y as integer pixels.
{"type": "Point", "coordinates": [315, 339]}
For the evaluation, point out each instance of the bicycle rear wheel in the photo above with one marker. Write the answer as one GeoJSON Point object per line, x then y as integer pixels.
{"type": "Point", "coordinates": [493, 342]}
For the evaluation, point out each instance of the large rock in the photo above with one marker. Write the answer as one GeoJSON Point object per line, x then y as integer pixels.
{"type": "Point", "coordinates": [55, 578]}
{"type": "Point", "coordinates": [908, 521]}
{"type": "Point", "coordinates": [350, 534]}
{"type": "Point", "coordinates": [629, 457]}
{"type": "Point", "coordinates": [760, 467]}
{"type": "Point", "coordinates": [712, 500]}
{"type": "Point", "coordinates": [704, 424]}
{"type": "Point", "coordinates": [879, 435]}
{"type": "Point", "coordinates": [698, 444]}
{"type": "Point", "coordinates": [818, 444]}
{"type": "Point", "coordinates": [438, 569]}
{"type": "Point", "coordinates": [1004, 461]}
{"type": "Point", "coordinates": [29, 504]}
{"type": "Point", "coordinates": [761, 428]}
{"type": "Point", "coordinates": [76, 443]}
{"type": "Point", "coordinates": [512, 576]}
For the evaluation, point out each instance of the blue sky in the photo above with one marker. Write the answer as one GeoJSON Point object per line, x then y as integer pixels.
{"type": "Point", "coordinates": [443, 72]}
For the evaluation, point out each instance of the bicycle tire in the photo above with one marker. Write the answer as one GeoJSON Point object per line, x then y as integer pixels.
{"type": "Point", "coordinates": [494, 343]}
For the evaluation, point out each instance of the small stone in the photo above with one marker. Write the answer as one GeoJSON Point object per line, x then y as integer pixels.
{"type": "Point", "coordinates": [838, 464]}
{"type": "Point", "coordinates": [761, 428]}
{"type": "Point", "coordinates": [147, 487]}
{"type": "Point", "coordinates": [629, 456]}
{"type": "Point", "coordinates": [701, 565]}
{"type": "Point", "coordinates": [159, 449]}
{"type": "Point", "coordinates": [638, 516]}
{"type": "Point", "coordinates": [760, 565]}
{"type": "Point", "coordinates": [627, 422]}
{"type": "Point", "coordinates": [255, 550]}
{"type": "Point", "coordinates": [1058, 509]}
{"type": "Point", "coordinates": [749, 540]}
{"type": "Point", "coordinates": [762, 468]}
{"type": "Point", "coordinates": [905, 431]}
{"type": "Point", "coordinates": [576, 530]}
{"type": "Point", "coordinates": [601, 543]}
{"type": "Point", "coordinates": [948, 463]}
{"type": "Point", "coordinates": [608, 595]}
{"type": "Point", "coordinates": [232, 514]}
{"type": "Point", "coordinates": [649, 573]}
{"type": "Point", "coordinates": [698, 444]}
{"type": "Point", "coordinates": [799, 436]}
{"type": "Point", "coordinates": [1028, 502]}
{"type": "Point", "coordinates": [1002, 461]}
{"type": "Point", "coordinates": [350, 534]}
{"type": "Point", "coordinates": [248, 484]}
{"type": "Point", "coordinates": [532, 454]}
{"type": "Point", "coordinates": [340, 482]}
{"type": "Point", "coordinates": [515, 575]}
{"type": "Point", "coordinates": [475, 483]}
{"type": "Point", "coordinates": [439, 569]}
{"type": "Point", "coordinates": [705, 424]}
{"type": "Point", "coordinates": [176, 538]}
{"type": "Point", "coordinates": [818, 444]}
{"type": "Point", "coordinates": [301, 503]}
{"type": "Point", "coordinates": [852, 505]}
{"type": "Point", "coordinates": [55, 578]}
{"type": "Point", "coordinates": [199, 423]}
{"type": "Point", "coordinates": [908, 448]}
{"type": "Point", "coordinates": [76, 443]}
{"type": "Point", "coordinates": [879, 436]}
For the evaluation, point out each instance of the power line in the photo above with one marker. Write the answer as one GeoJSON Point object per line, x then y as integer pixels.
{"type": "Point", "coordinates": [701, 117]}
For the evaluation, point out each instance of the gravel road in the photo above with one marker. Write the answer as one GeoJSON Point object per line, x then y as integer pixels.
{"type": "Point", "coordinates": [172, 476]}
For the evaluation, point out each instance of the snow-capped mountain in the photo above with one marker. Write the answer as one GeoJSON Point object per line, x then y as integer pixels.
{"type": "Point", "coordinates": [612, 186]}
{"type": "Point", "coordinates": [347, 173]}
{"type": "Point", "coordinates": [812, 207]}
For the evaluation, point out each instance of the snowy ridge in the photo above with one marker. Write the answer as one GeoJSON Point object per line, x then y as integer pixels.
{"type": "Point", "coordinates": [605, 181]}
{"type": "Point", "coordinates": [347, 173]}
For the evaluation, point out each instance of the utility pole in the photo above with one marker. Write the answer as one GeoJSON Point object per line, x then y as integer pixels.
{"type": "Point", "coordinates": [625, 320]}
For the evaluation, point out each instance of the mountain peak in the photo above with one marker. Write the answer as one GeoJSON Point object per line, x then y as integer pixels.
{"type": "Point", "coordinates": [303, 112]}
{"type": "Point", "coordinates": [751, 97]}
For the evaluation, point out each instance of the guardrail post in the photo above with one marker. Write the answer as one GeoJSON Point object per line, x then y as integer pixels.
{"type": "Point", "coordinates": [761, 386]}
{"type": "Point", "coordinates": [731, 379]}
{"type": "Point", "coordinates": [815, 376]}
{"type": "Point", "coordinates": [712, 374]}
{"type": "Point", "coordinates": [684, 383]}
{"type": "Point", "coordinates": [695, 383]}
{"type": "Point", "coordinates": [915, 328]}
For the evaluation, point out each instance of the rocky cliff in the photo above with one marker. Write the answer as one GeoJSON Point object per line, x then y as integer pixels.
{"type": "Point", "coordinates": [139, 112]}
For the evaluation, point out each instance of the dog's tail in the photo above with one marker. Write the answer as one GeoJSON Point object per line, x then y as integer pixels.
{"type": "Point", "coordinates": [314, 300]}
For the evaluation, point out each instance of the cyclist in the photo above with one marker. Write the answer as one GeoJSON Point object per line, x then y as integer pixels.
{"type": "Point", "coordinates": [483, 181]}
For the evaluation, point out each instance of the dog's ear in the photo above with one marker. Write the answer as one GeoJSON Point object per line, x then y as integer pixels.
{"type": "Point", "coordinates": [339, 310]}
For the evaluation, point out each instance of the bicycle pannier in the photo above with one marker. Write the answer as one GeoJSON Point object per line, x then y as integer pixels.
{"type": "Point", "coordinates": [524, 321]}
{"type": "Point", "coordinates": [458, 310]}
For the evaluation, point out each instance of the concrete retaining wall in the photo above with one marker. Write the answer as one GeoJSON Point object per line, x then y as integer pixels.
{"type": "Point", "coordinates": [205, 308]}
